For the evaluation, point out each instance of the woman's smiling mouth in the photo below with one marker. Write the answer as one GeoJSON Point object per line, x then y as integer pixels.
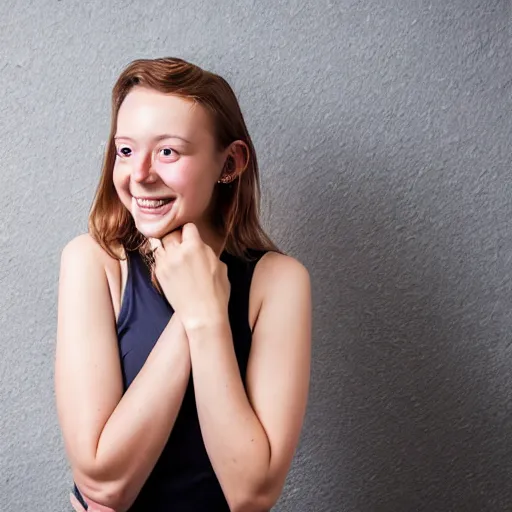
{"type": "Point", "coordinates": [154, 206]}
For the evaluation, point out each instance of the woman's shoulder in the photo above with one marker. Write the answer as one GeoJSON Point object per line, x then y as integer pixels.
{"type": "Point", "coordinates": [275, 269]}
{"type": "Point", "coordinates": [84, 255]}
{"type": "Point", "coordinates": [273, 262]}
{"type": "Point", "coordinates": [85, 248]}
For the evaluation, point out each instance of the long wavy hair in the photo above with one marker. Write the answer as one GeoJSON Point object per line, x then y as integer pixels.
{"type": "Point", "coordinates": [236, 205]}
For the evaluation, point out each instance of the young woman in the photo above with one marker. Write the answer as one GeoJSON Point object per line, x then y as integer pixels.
{"type": "Point", "coordinates": [183, 345]}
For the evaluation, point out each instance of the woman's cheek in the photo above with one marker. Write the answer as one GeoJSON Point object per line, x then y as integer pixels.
{"type": "Point", "coordinates": [179, 177]}
{"type": "Point", "coordinates": [121, 183]}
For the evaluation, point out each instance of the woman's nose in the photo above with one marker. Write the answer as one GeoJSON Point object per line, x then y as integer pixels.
{"type": "Point", "coordinates": [142, 170]}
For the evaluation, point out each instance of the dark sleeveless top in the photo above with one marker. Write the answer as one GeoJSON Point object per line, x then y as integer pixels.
{"type": "Point", "coordinates": [183, 479]}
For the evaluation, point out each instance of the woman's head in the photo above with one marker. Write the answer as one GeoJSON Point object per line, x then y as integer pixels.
{"type": "Point", "coordinates": [178, 152]}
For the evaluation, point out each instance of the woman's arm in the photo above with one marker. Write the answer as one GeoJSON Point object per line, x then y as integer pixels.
{"type": "Point", "coordinates": [251, 439]}
{"type": "Point", "coordinates": [113, 440]}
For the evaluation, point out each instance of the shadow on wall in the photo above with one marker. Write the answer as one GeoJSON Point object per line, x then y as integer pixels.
{"type": "Point", "coordinates": [407, 409]}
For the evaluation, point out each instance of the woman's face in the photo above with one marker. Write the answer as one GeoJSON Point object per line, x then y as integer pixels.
{"type": "Point", "coordinates": [167, 165]}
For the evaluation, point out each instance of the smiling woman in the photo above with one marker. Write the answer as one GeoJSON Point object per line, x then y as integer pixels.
{"type": "Point", "coordinates": [167, 180]}
{"type": "Point", "coordinates": [183, 344]}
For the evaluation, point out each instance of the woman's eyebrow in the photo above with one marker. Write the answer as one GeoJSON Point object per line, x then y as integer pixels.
{"type": "Point", "coordinates": [158, 138]}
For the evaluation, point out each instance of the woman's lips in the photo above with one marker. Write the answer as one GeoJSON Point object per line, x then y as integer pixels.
{"type": "Point", "coordinates": [154, 207]}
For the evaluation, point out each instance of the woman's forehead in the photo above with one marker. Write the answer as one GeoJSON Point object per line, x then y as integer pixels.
{"type": "Point", "coordinates": [145, 110]}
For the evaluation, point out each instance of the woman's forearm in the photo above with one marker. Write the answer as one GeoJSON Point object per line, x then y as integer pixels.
{"type": "Point", "coordinates": [234, 437]}
{"type": "Point", "coordinates": [137, 430]}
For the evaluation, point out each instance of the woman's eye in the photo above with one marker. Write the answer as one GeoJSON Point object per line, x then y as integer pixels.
{"type": "Point", "coordinates": [168, 152]}
{"type": "Point", "coordinates": [124, 151]}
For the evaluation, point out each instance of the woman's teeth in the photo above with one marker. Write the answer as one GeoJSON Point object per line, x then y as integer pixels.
{"type": "Point", "coordinates": [152, 203]}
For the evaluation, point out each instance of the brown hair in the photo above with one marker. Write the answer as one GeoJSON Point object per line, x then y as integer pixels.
{"type": "Point", "coordinates": [236, 205]}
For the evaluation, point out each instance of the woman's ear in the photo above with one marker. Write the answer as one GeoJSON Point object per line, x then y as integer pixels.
{"type": "Point", "coordinates": [236, 161]}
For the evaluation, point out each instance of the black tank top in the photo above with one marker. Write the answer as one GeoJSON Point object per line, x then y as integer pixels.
{"type": "Point", "coordinates": [183, 479]}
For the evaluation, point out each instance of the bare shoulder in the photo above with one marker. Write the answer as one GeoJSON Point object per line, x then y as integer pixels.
{"type": "Point", "coordinates": [83, 255]}
{"type": "Point", "coordinates": [85, 250]}
{"type": "Point", "coordinates": [275, 270]}
{"type": "Point", "coordinates": [84, 247]}
{"type": "Point", "coordinates": [278, 279]}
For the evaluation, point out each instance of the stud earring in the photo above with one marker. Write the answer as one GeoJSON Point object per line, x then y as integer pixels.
{"type": "Point", "coordinates": [228, 176]}
{"type": "Point", "coordinates": [226, 179]}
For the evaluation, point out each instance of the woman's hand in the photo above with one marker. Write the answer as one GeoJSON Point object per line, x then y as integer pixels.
{"type": "Point", "coordinates": [92, 507]}
{"type": "Point", "coordinates": [192, 277]}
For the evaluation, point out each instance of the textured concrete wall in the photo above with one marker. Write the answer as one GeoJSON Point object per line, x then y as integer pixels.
{"type": "Point", "coordinates": [384, 135]}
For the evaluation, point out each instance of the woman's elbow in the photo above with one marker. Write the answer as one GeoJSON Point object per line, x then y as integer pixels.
{"type": "Point", "coordinates": [106, 496]}
{"type": "Point", "coordinates": [253, 503]}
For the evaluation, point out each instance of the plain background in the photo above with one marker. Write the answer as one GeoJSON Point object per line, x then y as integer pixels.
{"type": "Point", "coordinates": [384, 135]}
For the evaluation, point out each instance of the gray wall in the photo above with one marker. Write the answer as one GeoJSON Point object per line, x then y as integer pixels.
{"type": "Point", "coordinates": [384, 134]}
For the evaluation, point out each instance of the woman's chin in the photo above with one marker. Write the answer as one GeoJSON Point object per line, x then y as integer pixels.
{"type": "Point", "coordinates": [155, 222]}
{"type": "Point", "coordinates": [155, 230]}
